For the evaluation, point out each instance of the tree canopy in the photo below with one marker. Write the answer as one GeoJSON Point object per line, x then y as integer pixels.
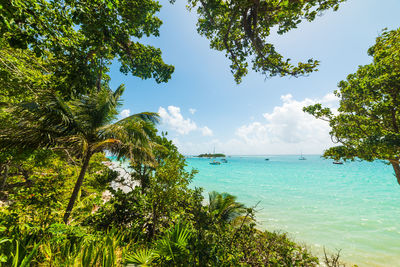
{"type": "Point", "coordinates": [84, 37]}
{"type": "Point", "coordinates": [368, 119]}
{"type": "Point", "coordinates": [241, 29]}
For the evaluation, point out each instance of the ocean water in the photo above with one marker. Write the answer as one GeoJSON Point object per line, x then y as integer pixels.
{"type": "Point", "coordinates": [354, 207]}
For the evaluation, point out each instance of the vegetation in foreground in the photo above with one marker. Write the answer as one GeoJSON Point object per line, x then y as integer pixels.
{"type": "Point", "coordinates": [59, 115]}
{"type": "Point", "coordinates": [54, 146]}
{"type": "Point", "coordinates": [160, 222]}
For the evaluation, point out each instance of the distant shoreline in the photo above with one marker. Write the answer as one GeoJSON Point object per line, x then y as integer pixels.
{"type": "Point", "coordinates": [209, 155]}
{"type": "Point", "coordinates": [255, 155]}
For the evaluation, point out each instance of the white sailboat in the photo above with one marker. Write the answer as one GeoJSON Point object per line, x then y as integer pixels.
{"type": "Point", "coordinates": [301, 156]}
{"type": "Point", "coordinates": [214, 162]}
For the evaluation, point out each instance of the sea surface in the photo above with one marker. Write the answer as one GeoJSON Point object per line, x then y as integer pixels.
{"type": "Point", "coordinates": [354, 207]}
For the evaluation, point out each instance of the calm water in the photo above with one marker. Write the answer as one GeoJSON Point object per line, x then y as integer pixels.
{"type": "Point", "coordinates": [354, 207]}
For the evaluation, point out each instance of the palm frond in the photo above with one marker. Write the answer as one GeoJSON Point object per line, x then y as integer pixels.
{"type": "Point", "coordinates": [80, 124]}
{"type": "Point", "coordinates": [142, 257]}
{"type": "Point", "coordinates": [150, 117]}
{"type": "Point", "coordinates": [135, 136]}
{"type": "Point", "coordinates": [106, 144]}
{"type": "Point", "coordinates": [173, 246]}
{"type": "Point", "coordinates": [224, 206]}
{"type": "Point", "coordinates": [118, 93]}
{"type": "Point", "coordinates": [98, 109]}
{"type": "Point", "coordinates": [39, 124]}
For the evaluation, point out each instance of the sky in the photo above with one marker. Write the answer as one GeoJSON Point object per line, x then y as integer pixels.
{"type": "Point", "coordinates": [202, 108]}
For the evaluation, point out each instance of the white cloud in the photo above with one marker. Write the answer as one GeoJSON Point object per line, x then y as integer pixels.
{"type": "Point", "coordinates": [125, 113]}
{"type": "Point", "coordinates": [330, 99]}
{"type": "Point", "coordinates": [173, 119]}
{"type": "Point", "coordinates": [287, 128]}
{"type": "Point", "coordinates": [192, 110]}
{"type": "Point", "coordinates": [284, 130]}
{"type": "Point", "coordinates": [206, 131]}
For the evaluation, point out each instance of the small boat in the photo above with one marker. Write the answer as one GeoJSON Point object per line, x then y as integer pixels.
{"type": "Point", "coordinates": [214, 162]}
{"type": "Point", "coordinates": [337, 162]}
{"type": "Point", "coordinates": [267, 159]}
{"type": "Point", "coordinates": [224, 161]}
{"type": "Point", "coordinates": [301, 157]}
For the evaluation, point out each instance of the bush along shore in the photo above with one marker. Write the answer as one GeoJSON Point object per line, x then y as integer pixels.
{"type": "Point", "coordinates": [145, 216]}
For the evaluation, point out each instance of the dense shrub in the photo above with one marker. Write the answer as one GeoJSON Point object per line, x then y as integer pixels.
{"type": "Point", "coordinates": [160, 222]}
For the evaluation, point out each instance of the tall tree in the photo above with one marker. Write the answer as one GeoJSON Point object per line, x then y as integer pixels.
{"type": "Point", "coordinates": [241, 28]}
{"type": "Point", "coordinates": [85, 37]}
{"type": "Point", "coordinates": [367, 124]}
{"type": "Point", "coordinates": [84, 126]}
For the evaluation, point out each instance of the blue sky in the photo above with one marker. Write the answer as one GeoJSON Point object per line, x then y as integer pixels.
{"type": "Point", "coordinates": [202, 107]}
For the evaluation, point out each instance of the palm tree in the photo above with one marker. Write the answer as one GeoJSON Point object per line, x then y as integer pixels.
{"type": "Point", "coordinates": [173, 247]}
{"type": "Point", "coordinates": [224, 207]}
{"type": "Point", "coordinates": [84, 125]}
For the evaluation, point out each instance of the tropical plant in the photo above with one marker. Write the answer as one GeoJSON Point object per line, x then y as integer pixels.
{"type": "Point", "coordinates": [21, 257]}
{"type": "Point", "coordinates": [19, 248]}
{"type": "Point", "coordinates": [103, 251]}
{"type": "Point", "coordinates": [84, 125]}
{"type": "Point", "coordinates": [162, 194]}
{"type": "Point", "coordinates": [141, 257]}
{"type": "Point", "coordinates": [224, 207]}
{"type": "Point", "coordinates": [173, 246]}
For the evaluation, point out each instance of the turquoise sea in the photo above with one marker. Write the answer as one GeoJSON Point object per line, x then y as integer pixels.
{"type": "Point", "coordinates": [354, 207]}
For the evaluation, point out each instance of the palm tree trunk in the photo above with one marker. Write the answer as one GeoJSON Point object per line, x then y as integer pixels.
{"type": "Point", "coordinates": [78, 185]}
{"type": "Point", "coordinates": [396, 168]}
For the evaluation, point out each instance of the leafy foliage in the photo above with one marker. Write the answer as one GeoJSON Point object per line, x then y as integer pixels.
{"type": "Point", "coordinates": [241, 28]}
{"type": "Point", "coordinates": [83, 126]}
{"type": "Point", "coordinates": [173, 247]}
{"type": "Point", "coordinates": [367, 123]}
{"type": "Point", "coordinates": [38, 188]}
{"type": "Point", "coordinates": [142, 257]}
{"type": "Point", "coordinates": [60, 245]}
{"type": "Point", "coordinates": [84, 37]}
{"type": "Point", "coordinates": [163, 194]}
{"type": "Point", "coordinates": [60, 116]}
{"type": "Point", "coordinates": [224, 207]}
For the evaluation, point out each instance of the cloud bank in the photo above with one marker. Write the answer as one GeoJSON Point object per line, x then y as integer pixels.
{"type": "Point", "coordinates": [284, 130]}
{"type": "Point", "coordinates": [288, 124]}
{"type": "Point", "coordinates": [172, 119]}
